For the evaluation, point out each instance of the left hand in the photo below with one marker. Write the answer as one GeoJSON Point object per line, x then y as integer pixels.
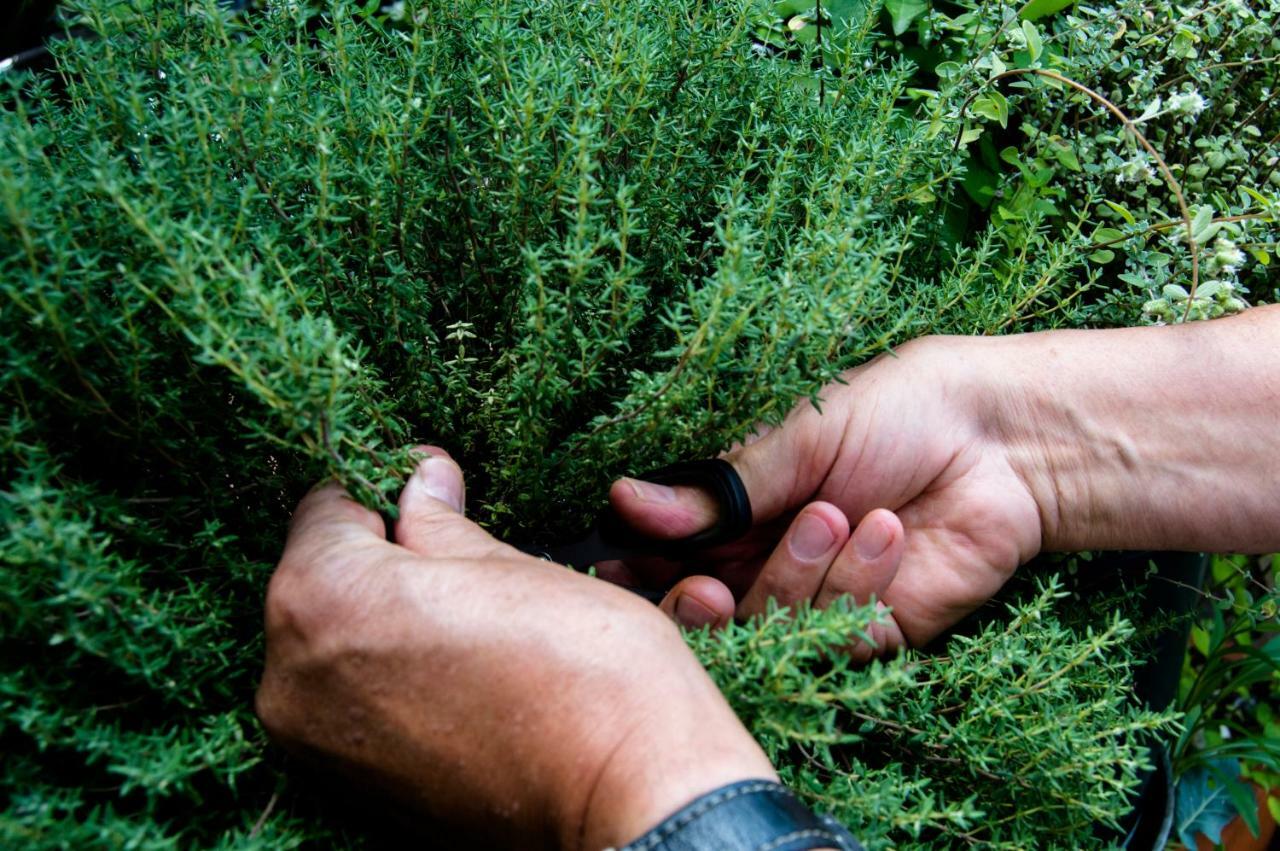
{"type": "Point", "coordinates": [525, 704]}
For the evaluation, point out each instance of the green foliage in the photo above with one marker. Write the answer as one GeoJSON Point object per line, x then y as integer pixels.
{"type": "Point", "coordinates": [566, 240]}
{"type": "Point", "coordinates": [1018, 733]}
{"type": "Point", "coordinates": [1198, 80]}
{"type": "Point", "coordinates": [1202, 807]}
{"type": "Point", "coordinates": [1230, 688]}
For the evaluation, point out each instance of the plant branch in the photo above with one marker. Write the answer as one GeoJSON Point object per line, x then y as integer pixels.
{"type": "Point", "coordinates": [1129, 125]}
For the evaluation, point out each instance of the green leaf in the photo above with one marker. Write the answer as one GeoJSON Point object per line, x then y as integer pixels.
{"type": "Point", "coordinates": [1200, 639]}
{"type": "Point", "coordinates": [1002, 107]}
{"type": "Point", "coordinates": [1066, 157]}
{"type": "Point", "coordinates": [1103, 256]}
{"type": "Point", "coordinates": [985, 107]}
{"type": "Point", "coordinates": [948, 70]}
{"type": "Point", "coordinates": [1261, 255]}
{"type": "Point", "coordinates": [903, 12]}
{"type": "Point", "coordinates": [1037, 9]}
{"type": "Point", "coordinates": [992, 106]}
{"type": "Point", "coordinates": [1199, 808]}
{"type": "Point", "coordinates": [1035, 46]}
{"type": "Point", "coordinates": [1263, 201]}
{"type": "Point", "coordinates": [1201, 224]}
{"type": "Point", "coordinates": [1123, 213]}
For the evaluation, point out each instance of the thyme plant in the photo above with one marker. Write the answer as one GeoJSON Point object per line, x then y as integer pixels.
{"type": "Point", "coordinates": [568, 241]}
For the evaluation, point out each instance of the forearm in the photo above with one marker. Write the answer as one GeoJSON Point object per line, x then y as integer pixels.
{"type": "Point", "coordinates": [1160, 438]}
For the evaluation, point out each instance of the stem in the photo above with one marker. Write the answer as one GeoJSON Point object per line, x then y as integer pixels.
{"type": "Point", "coordinates": [1260, 61]}
{"type": "Point", "coordinates": [822, 60]}
{"type": "Point", "coordinates": [1243, 217]}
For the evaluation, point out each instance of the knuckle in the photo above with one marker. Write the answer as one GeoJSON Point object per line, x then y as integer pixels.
{"type": "Point", "coordinates": [302, 608]}
{"type": "Point", "coordinates": [274, 711]}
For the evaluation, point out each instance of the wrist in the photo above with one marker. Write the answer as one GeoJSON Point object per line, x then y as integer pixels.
{"type": "Point", "coordinates": [1141, 438]}
{"type": "Point", "coordinates": [658, 765]}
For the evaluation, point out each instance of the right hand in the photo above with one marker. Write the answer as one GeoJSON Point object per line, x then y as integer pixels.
{"type": "Point", "coordinates": [906, 447]}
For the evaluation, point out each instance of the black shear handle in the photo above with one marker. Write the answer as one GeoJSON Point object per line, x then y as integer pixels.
{"type": "Point", "coordinates": [717, 477]}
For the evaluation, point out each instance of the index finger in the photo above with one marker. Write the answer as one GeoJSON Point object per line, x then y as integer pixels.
{"type": "Point", "coordinates": [328, 515]}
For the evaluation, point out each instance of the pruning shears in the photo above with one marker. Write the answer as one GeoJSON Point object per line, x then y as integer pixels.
{"type": "Point", "coordinates": [611, 538]}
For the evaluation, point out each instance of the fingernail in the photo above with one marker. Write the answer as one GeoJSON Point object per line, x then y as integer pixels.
{"type": "Point", "coordinates": [441, 480]}
{"type": "Point", "coordinates": [691, 612]}
{"type": "Point", "coordinates": [650, 492]}
{"type": "Point", "coordinates": [870, 540]}
{"type": "Point", "coordinates": [812, 537]}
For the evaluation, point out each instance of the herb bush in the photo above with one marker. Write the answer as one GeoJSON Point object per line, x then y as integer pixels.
{"type": "Point", "coordinates": [568, 241]}
{"type": "Point", "coordinates": [1198, 80]}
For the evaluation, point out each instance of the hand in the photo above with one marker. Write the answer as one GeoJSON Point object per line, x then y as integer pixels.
{"type": "Point", "coordinates": [905, 447]}
{"type": "Point", "coordinates": [525, 704]}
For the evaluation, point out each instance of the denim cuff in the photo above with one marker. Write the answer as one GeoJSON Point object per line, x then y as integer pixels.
{"type": "Point", "coordinates": [750, 815]}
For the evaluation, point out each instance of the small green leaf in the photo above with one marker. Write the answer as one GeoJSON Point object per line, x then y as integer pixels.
{"type": "Point", "coordinates": [1035, 46]}
{"type": "Point", "coordinates": [1261, 255]}
{"type": "Point", "coordinates": [1040, 8]}
{"type": "Point", "coordinates": [1200, 640]}
{"type": "Point", "coordinates": [1103, 257]}
{"type": "Point", "coordinates": [1066, 157]}
{"type": "Point", "coordinates": [1201, 223]}
{"type": "Point", "coordinates": [903, 12]}
{"type": "Point", "coordinates": [1123, 213]}
{"type": "Point", "coordinates": [1002, 107]}
{"type": "Point", "coordinates": [948, 70]}
{"type": "Point", "coordinates": [985, 107]}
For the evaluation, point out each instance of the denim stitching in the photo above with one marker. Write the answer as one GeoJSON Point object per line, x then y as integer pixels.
{"type": "Point", "coordinates": [812, 833]}
{"type": "Point", "coordinates": [666, 830]}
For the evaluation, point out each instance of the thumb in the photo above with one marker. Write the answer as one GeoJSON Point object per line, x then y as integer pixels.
{"type": "Point", "coordinates": [431, 504]}
{"type": "Point", "coordinates": [780, 469]}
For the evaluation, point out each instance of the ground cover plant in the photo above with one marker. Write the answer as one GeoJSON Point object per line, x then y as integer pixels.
{"type": "Point", "coordinates": [569, 241]}
{"type": "Point", "coordinates": [1199, 81]}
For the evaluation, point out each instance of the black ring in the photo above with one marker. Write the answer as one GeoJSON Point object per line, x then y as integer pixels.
{"type": "Point", "coordinates": [715, 475]}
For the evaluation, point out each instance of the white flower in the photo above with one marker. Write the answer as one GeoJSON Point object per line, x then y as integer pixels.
{"type": "Point", "coordinates": [1226, 256]}
{"type": "Point", "coordinates": [1187, 103]}
{"type": "Point", "coordinates": [1136, 170]}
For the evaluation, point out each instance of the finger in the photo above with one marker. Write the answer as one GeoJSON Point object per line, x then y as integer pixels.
{"type": "Point", "coordinates": [616, 572]}
{"type": "Point", "coordinates": [662, 511]}
{"type": "Point", "coordinates": [795, 570]}
{"type": "Point", "coordinates": [886, 639]}
{"type": "Point", "coordinates": [431, 521]}
{"type": "Point", "coordinates": [780, 469]}
{"type": "Point", "coordinates": [699, 601]}
{"type": "Point", "coordinates": [329, 515]}
{"type": "Point", "coordinates": [867, 564]}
